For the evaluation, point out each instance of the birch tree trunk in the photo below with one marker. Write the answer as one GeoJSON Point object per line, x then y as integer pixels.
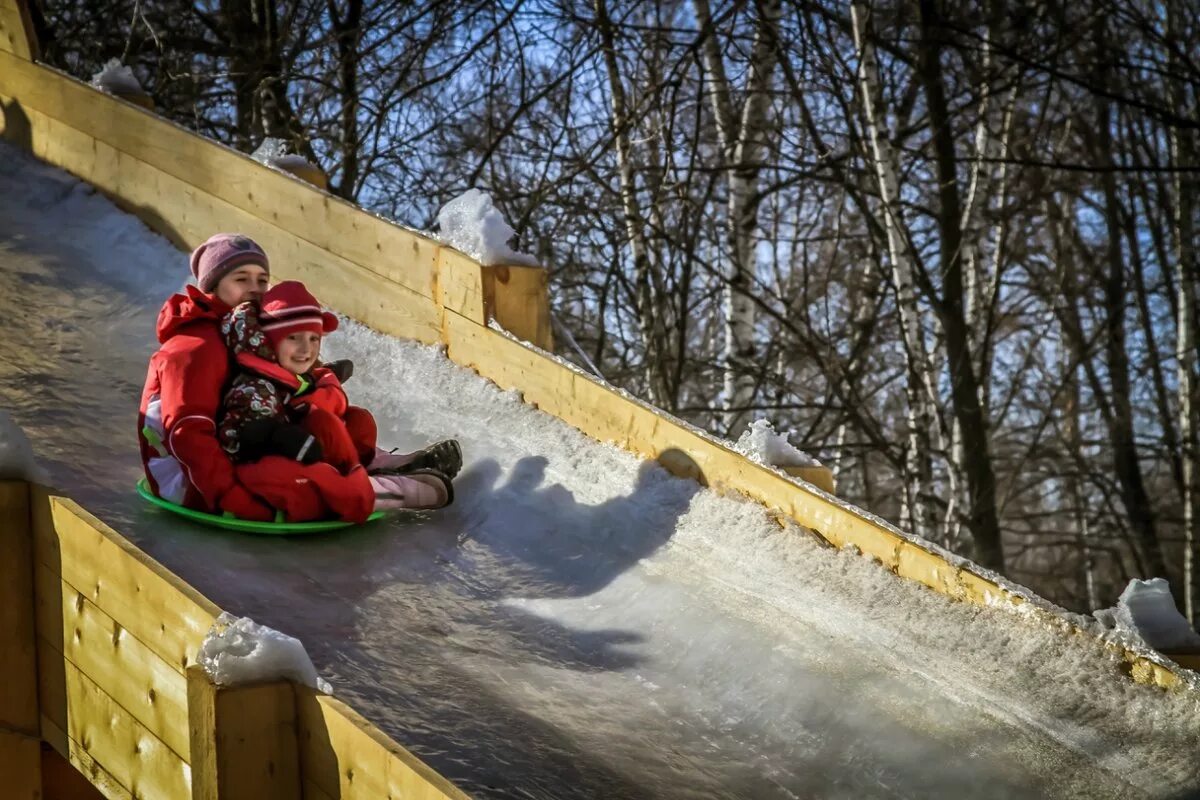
{"type": "Point", "coordinates": [920, 416]}
{"type": "Point", "coordinates": [744, 146]}
{"type": "Point", "coordinates": [1183, 153]}
{"type": "Point", "coordinates": [621, 124]}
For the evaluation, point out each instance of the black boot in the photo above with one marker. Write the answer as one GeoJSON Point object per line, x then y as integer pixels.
{"type": "Point", "coordinates": [444, 457]}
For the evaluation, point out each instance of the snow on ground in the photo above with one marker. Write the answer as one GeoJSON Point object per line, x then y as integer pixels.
{"type": "Point", "coordinates": [579, 623]}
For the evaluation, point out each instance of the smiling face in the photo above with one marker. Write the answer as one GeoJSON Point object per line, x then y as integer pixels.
{"type": "Point", "coordinates": [298, 352]}
{"type": "Point", "coordinates": [244, 283]}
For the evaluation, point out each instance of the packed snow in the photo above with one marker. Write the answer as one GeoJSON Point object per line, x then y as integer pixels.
{"type": "Point", "coordinates": [1147, 612]}
{"type": "Point", "coordinates": [239, 651]}
{"type": "Point", "coordinates": [471, 224]}
{"type": "Point", "coordinates": [763, 444]}
{"type": "Point", "coordinates": [116, 78]}
{"type": "Point", "coordinates": [579, 623]}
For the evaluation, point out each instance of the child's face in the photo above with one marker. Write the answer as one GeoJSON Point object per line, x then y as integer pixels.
{"type": "Point", "coordinates": [298, 352]}
{"type": "Point", "coordinates": [244, 283]}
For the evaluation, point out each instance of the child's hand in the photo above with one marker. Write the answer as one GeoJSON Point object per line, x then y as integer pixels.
{"type": "Point", "coordinates": [295, 443]}
{"type": "Point", "coordinates": [242, 504]}
{"type": "Point", "coordinates": [342, 369]}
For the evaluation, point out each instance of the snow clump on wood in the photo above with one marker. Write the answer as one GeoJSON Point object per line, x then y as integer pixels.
{"type": "Point", "coordinates": [763, 444]}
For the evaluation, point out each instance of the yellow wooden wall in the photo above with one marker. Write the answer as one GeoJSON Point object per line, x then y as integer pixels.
{"type": "Point", "coordinates": [115, 692]}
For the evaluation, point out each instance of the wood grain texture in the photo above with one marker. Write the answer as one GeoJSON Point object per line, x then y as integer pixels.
{"type": "Point", "coordinates": [243, 740]}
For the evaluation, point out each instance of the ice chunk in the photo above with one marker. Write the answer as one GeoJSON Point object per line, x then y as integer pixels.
{"type": "Point", "coordinates": [762, 443]}
{"type": "Point", "coordinates": [273, 153]}
{"type": "Point", "coordinates": [239, 651]}
{"type": "Point", "coordinates": [116, 78]}
{"type": "Point", "coordinates": [1147, 610]}
{"type": "Point", "coordinates": [471, 223]}
{"type": "Point", "coordinates": [16, 453]}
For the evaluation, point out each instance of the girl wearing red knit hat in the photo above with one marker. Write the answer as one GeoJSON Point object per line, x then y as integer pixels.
{"type": "Point", "coordinates": [284, 403]}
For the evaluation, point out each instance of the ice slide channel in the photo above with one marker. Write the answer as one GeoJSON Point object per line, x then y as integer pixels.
{"type": "Point", "coordinates": [579, 624]}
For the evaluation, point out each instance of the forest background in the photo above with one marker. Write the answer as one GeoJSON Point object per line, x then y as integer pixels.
{"type": "Point", "coordinates": [953, 246]}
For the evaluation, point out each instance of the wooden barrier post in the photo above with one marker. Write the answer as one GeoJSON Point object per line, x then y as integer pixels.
{"type": "Point", "coordinates": [243, 740]}
{"type": "Point", "coordinates": [518, 298]}
{"type": "Point", "coordinates": [20, 728]}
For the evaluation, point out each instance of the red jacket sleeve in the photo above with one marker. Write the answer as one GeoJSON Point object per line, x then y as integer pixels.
{"type": "Point", "coordinates": [326, 394]}
{"type": "Point", "coordinates": [190, 382]}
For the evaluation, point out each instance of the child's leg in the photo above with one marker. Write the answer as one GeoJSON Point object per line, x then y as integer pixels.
{"type": "Point", "coordinates": [337, 447]}
{"type": "Point", "coordinates": [363, 433]}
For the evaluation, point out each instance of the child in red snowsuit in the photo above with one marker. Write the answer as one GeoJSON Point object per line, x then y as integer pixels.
{"type": "Point", "coordinates": [284, 403]}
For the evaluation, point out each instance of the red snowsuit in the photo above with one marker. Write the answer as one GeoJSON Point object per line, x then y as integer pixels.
{"type": "Point", "coordinates": [183, 460]}
{"type": "Point", "coordinates": [263, 389]}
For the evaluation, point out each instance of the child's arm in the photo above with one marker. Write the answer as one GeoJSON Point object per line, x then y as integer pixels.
{"type": "Point", "coordinates": [326, 393]}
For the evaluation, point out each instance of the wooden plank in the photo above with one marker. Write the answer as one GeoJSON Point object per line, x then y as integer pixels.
{"type": "Point", "coordinates": [62, 781]}
{"type": "Point", "coordinates": [186, 216]}
{"type": "Point", "coordinates": [460, 285]}
{"type": "Point", "coordinates": [16, 30]}
{"type": "Point", "coordinates": [81, 760]}
{"type": "Point", "coordinates": [518, 298]}
{"type": "Point", "coordinates": [124, 748]}
{"type": "Point", "coordinates": [347, 757]}
{"type": "Point", "coordinates": [314, 792]}
{"type": "Point", "coordinates": [150, 689]}
{"type": "Point", "coordinates": [18, 637]}
{"type": "Point", "coordinates": [147, 600]}
{"type": "Point", "coordinates": [20, 765]}
{"type": "Point", "coordinates": [820, 477]}
{"type": "Point", "coordinates": [391, 251]}
{"type": "Point", "coordinates": [243, 740]}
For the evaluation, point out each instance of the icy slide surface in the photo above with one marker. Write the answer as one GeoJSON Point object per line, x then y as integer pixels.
{"type": "Point", "coordinates": [579, 624]}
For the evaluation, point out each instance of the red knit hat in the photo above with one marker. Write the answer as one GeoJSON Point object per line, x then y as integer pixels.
{"type": "Point", "coordinates": [288, 308]}
{"type": "Point", "coordinates": [221, 255]}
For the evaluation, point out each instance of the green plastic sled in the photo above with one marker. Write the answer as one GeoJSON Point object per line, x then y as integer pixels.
{"type": "Point", "coordinates": [279, 527]}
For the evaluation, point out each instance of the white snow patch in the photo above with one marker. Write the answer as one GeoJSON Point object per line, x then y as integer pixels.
{"type": "Point", "coordinates": [116, 78]}
{"type": "Point", "coordinates": [16, 453]}
{"type": "Point", "coordinates": [763, 444]}
{"type": "Point", "coordinates": [1147, 611]}
{"type": "Point", "coordinates": [238, 651]}
{"type": "Point", "coordinates": [471, 223]}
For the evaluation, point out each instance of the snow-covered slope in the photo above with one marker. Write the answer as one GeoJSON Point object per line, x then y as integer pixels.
{"type": "Point", "coordinates": [579, 623]}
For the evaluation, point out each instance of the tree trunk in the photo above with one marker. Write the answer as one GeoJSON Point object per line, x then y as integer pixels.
{"type": "Point", "coordinates": [744, 145]}
{"type": "Point", "coordinates": [1183, 153]}
{"type": "Point", "coordinates": [920, 415]}
{"type": "Point", "coordinates": [647, 312]}
{"type": "Point", "coordinates": [1125, 453]}
{"type": "Point", "coordinates": [982, 518]}
{"type": "Point", "coordinates": [348, 31]}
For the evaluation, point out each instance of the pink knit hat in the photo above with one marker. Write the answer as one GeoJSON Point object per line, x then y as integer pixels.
{"type": "Point", "coordinates": [221, 255]}
{"type": "Point", "coordinates": [289, 308]}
